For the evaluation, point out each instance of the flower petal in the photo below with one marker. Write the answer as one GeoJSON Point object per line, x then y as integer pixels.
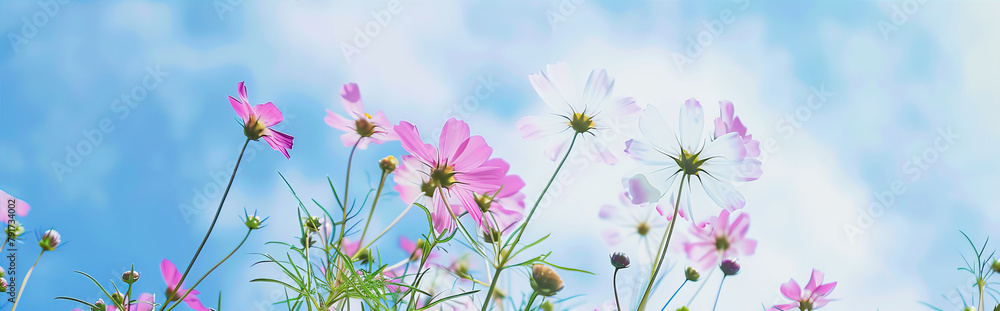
{"type": "Point", "coordinates": [597, 90]}
{"type": "Point", "coordinates": [170, 274]}
{"type": "Point", "coordinates": [453, 135]}
{"type": "Point", "coordinates": [722, 193]}
{"type": "Point", "coordinates": [791, 290]}
{"type": "Point", "coordinates": [556, 146]}
{"type": "Point", "coordinates": [350, 96]}
{"type": "Point", "coordinates": [194, 303]}
{"type": "Point", "coordinates": [472, 155]}
{"type": "Point", "coordinates": [691, 125]}
{"type": "Point", "coordinates": [654, 128]}
{"type": "Point", "coordinates": [534, 127]}
{"type": "Point", "coordinates": [242, 109]}
{"type": "Point", "coordinates": [814, 280]}
{"type": "Point", "coordinates": [561, 77]}
{"type": "Point", "coordinates": [409, 138]}
{"type": "Point", "coordinates": [268, 114]}
{"type": "Point", "coordinates": [336, 121]}
{"type": "Point", "coordinates": [242, 90]}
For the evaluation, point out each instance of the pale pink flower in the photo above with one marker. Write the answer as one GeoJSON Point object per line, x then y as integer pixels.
{"type": "Point", "coordinates": [812, 297]}
{"type": "Point", "coordinates": [668, 157]}
{"type": "Point", "coordinates": [359, 127]}
{"type": "Point", "coordinates": [257, 121]}
{"type": "Point", "coordinates": [592, 114]}
{"type": "Point", "coordinates": [457, 169]}
{"type": "Point", "coordinates": [21, 208]}
{"type": "Point", "coordinates": [720, 240]}
{"type": "Point", "coordinates": [727, 123]}
{"type": "Point", "coordinates": [504, 208]}
{"type": "Point", "coordinates": [631, 221]}
{"type": "Point", "coordinates": [174, 291]}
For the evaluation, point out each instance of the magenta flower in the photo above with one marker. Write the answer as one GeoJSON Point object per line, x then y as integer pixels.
{"type": "Point", "coordinates": [20, 207]}
{"type": "Point", "coordinates": [505, 207]}
{"type": "Point", "coordinates": [257, 121]}
{"type": "Point", "coordinates": [720, 240]}
{"type": "Point", "coordinates": [686, 156]}
{"type": "Point", "coordinates": [593, 112]}
{"type": "Point", "coordinates": [812, 297]}
{"type": "Point", "coordinates": [454, 172]}
{"type": "Point", "coordinates": [174, 291]}
{"type": "Point", "coordinates": [360, 128]}
{"type": "Point", "coordinates": [727, 123]}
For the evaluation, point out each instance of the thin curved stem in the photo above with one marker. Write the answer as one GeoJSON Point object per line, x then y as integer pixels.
{"type": "Point", "coordinates": [210, 271]}
{"type": "Point", "coordinates": [4, 244]}
{"type": "Point", "coordinates": [703, 282]}
{"type": "Point", "coordinates": [662, 252]}
{"type": "Point", "coordinates": [347, 183]}
{"type": "Point", "coordinates": [393, 223]}
{"type": "Point", "coordinates": [614, 284]}
{"type": "Point", "coordinates": [496, 275]}
{"type": "Point", "coordinates": [675, 294]}
{"type": "Point", "coordinates": [25, 282]}
{"type": "Point", "coordinates": [531, 300]}
{"type": "Point", "coordinates": [378, 193]}
{"type": "Point", "coordinates": [214, 219]}
{"type": "Point", "coordinates": [719, 293]}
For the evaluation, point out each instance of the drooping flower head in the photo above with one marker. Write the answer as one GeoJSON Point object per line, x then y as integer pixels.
{"type": "Point", "coordinates": [258, 120]}
{"type": "Point", "coordinates": [359, 127]}
{"type": "Point", "coordinates": [21, 208]}
{"type": "Point", "coordinates": [812, 297]}
{"type": "Point", "coordinates": [709, 164]}
{"type": "Point", "coordinates": [720, 240]}
{"type": "Point", "coordinates": [455, 172]}
{"type": "Point", "coordinates": [174, 291]}
{"type": "Point", "coordinates": [591, 114]}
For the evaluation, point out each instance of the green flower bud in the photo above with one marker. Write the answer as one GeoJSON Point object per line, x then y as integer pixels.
{"type": "Point", "coordinates": [691, 274]}
{"type": "Point", "coordinates": [996, 266]}
{"type": "Point", "coordinates": [548, 306]}
{"type": "Point", "coordinates": [388, 164]}
{"type": "Point", "coordinates": [14, 230]}
{"type": "Point", "coordinates": [99, 306]}
{"type": "Point", "coordinates": [117, 298]}
{"type": "Point", "coordinates": [684, 308]}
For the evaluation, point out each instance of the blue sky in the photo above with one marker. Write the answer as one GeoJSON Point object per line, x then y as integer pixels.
{"type": "Point", "coordinates": [894, 75]}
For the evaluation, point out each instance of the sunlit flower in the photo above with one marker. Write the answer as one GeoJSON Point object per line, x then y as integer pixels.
{"type": "Point", "coordinates": [174, 291]}
{"type": "Point", "coordinates": [21, 208]}
{"type": "Point", "coordinates": [359, 127]}
{"type": "Point", "coordinates": [712, 164]}
{"type": "Point", "coordinates": [720, 240]}
{"type": "Point", "coordinates": [812, 297]}
{"type": "Point", "coordinates": [258, 120]}
{"type": "Point", "coordinates": [457, 169]}
{"type": "Point", "coordinates": [592, 113]}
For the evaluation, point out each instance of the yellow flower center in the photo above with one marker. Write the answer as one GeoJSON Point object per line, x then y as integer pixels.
{"type": "Point", "coordinates": [689, 163]}
{"type": "Point", "coordinates": [581, 123]}
{"type": "Point", "coordinates": [440, 177]}
{"type": "Point", "coordinates": [254, 129]}
{"type": "Point", "coordinates": [642, 228]}
{"type": "Point", "coordinates": [721, 243]}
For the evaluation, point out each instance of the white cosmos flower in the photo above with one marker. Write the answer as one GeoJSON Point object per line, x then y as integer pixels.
{"type": "Point", "coordinates": [592, 113]}
{"type": "Point", "coordinates": [709, 162]}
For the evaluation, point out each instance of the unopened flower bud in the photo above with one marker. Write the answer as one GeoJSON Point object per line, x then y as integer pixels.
{"type": "Point", "coordinates": [545, 281]}
{"type": "Point", "coordinates": [364, 256]}
{"type": "Point", "coordinates": [548, 306]}
{"type": "Point", "coordinates": [2, 272]}
{"type": "Point", "coordinates": [491, 235]}
{"type": "Point", "coordinates": [683, 308]}
{"type": "Point", "coordinates": [3, 285]}
{"type": "Point", "coordinates": [996, 267]}
{"type": "Point", "coordinates": [130, 277]}
{"type": "Point", "coordinates": [620, 261]}
{"type": "Point", "coordinates": [730, 267]}
{"type": "Point", "coordinates": [461, 268]}
{"type": "Point", "coordinates": [388, 164]}
{"type": "Point", "coordinates": [99, 306]}
{"type": "Point", "coordinates": [312, 223]}
{"type": "Point", "coordinates": [691, 274]}
{"type": "Point", "coordinates": [14, 230]}
{"type": "Point", "coordinates": [50, 240]}
{"type": "Point", "coordinates": [117, 298]}
{"type": "Point", "coordinates": [253, 222]}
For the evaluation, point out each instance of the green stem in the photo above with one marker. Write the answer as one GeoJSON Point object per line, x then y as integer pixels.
{"type": "Point", "coordinates": [614, 284]}
{"type": "Point", "coordinates": [25, 282]}
{"type": "Point", "coordinates": [703, 282]}
{"type": "Point", "coordinates": [662, 252]}
{"type": "Point", "coordinates": [532, 300]}
{"type": "Point", "coordinates": [524, 225]}
{"type": "Point", "coordinates": [347, 183]}
{"type": "Point", "coordinates": [416, 280]}
{"type": "Point", "coordinates": [210, 271]}
{"type": "Point", "coordinates": [719, 293]}
{"type": "Point", "coordinates": [378, 193]}
{"type": "Point", "coordinates": [675, 294]}
{"type": "Point", "coordinates": [214, 219]}
{"type": "Point", "coordinates": [4, 244]}
{"type": "Point", "coordinates": [393, 223]}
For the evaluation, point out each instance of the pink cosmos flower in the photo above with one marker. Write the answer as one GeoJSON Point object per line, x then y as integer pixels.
{"type": "Point", "coordinates": [712, 165]}
{"type": "Point", "coordinates": [593, 112]}
{"type": "Point", "coordinates": [504, 208]}
{"type": "Point", "coordinates": [457, 169]}
{"type": "Point", "coordinates": [257, 121]}
{"type": "Point", "coordinates": [174, 291]}
{"type": "Point", "coordinates": [349, 247]}
{"type": "Point", "coordinates": [727, 123]}
{"type": "Point", "coordinates": [414, 248]}
{"type": "Point", "coordinates": [359, 127]}
{"type": "Point", "coordinates": [720, 240]}
{"type": "Point", "coordinates": [812, 297]}
{"type": "Point", "coordinates": [20, 207]}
